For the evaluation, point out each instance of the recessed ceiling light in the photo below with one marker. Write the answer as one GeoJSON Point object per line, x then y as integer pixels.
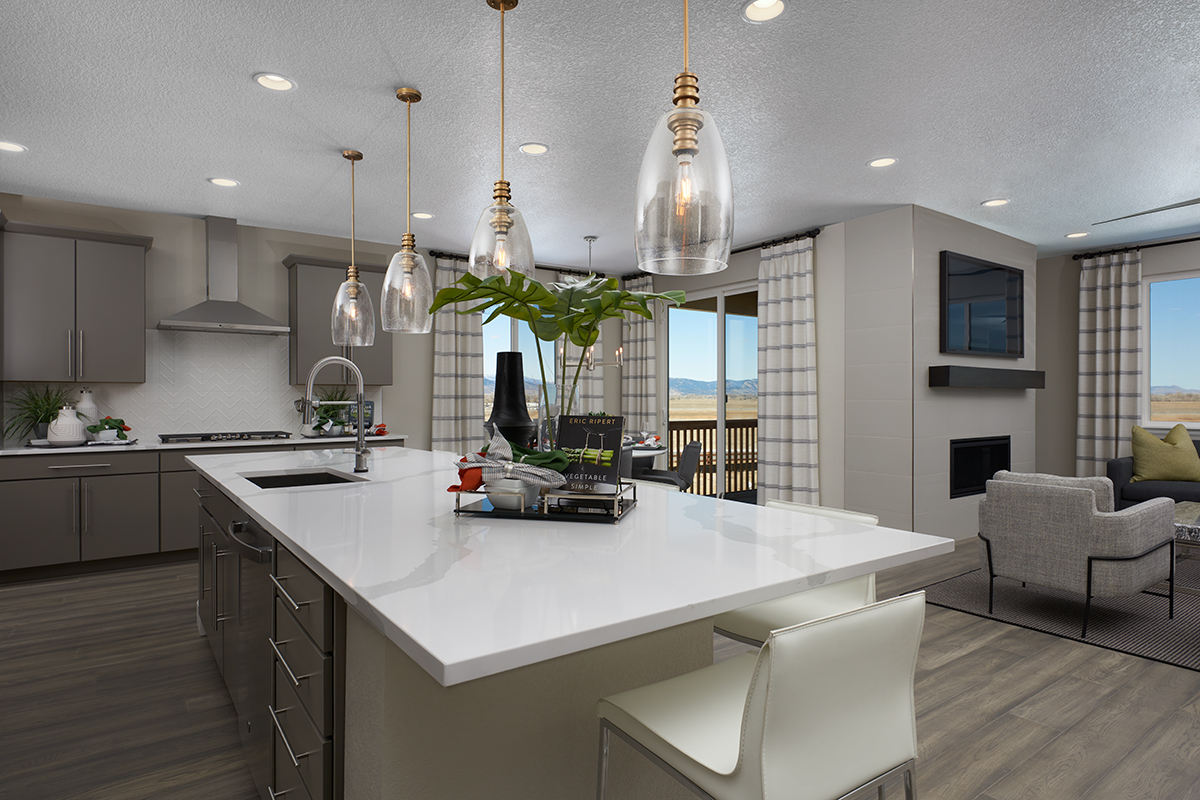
{"type": "Point", "coordinates": [882, 162]}
{"type": "Point", "coordinates": [761, 10]}
{"type": "Point", "coordinates": [534, 148]}
{"type": "Point", "coordinates": [275, 81]}
{"type": "Point", "coordinates": [1076, 235]}
{"type": "Point", "coordinates": [223, 182]}
{"type": "Point", "coordinates": [422, 215]}
{"type": "Point", "coordinates": [997, 201]}
{"type": "Point", "coordinates": [13, 147]}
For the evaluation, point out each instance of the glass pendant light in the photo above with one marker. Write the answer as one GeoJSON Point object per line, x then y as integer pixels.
{"type": "Point", "coordinates": [501, 242]}
{"type": "Point", "coordinates": [407, 289]}
{"type": "Point", "coordinates": [353, 314]}
{"type": "Point", "coordinates": [684, 222]}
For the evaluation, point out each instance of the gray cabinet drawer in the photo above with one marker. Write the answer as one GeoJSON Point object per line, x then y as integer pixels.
{"type": "Point", "coordinates": [288, 784]}
{"type": "Point", "coordinates": [307, 598]}
{"type": "Point", "coordinates": [311, 669]}
{"type": "Point", "coordinates": [76, 465]}
{"type": "Point", "coordinates": [312, 751]}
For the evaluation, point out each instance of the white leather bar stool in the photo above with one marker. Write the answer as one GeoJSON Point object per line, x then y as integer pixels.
{"type": "Point", "coordinates": [824, 711]}
{"type": "Point", "coordinates": [752, 624]}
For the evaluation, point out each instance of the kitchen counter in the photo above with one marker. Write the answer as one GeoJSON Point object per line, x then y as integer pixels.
{"type": "Point", "coordinates": [477, 647]}
{"type": "Point", "coordinates": [152, 443]}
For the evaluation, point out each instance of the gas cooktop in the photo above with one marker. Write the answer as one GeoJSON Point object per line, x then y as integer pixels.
{"type": "Point", "coordinates": [175, 438]}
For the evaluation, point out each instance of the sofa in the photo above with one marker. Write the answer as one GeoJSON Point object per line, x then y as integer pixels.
{"type": "Point", "coordinates": [1128, 493]}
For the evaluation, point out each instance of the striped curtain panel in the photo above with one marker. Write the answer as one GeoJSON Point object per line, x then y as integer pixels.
{"type": "Point", "coordinates": [639, 388]}
{"type": "Point", "coordinates": [1110, 359]}
{"type": "Point", "coordinates": [787, 375]}
{"type": "Point", "coordinates": [457, 371]}
{"type": "Point", "coordinates": [589, 398]}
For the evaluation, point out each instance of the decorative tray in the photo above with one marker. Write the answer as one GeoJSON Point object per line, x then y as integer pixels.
{"type": "Point", "coordinates": [553, 504]}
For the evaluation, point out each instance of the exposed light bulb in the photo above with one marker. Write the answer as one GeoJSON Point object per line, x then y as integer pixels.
{"type": "Point", "coordinates": [684, 190]}
{"type": "Point", "coordinates": [501, 257]}
{"type": "Point", "coordinates": [406, 288]}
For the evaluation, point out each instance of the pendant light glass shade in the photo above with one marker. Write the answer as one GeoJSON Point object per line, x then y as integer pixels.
{"type": "Point", "coordinates": [353, 316]}
{"type": "Point", "coordinates": [497, 252]}
{"type": "Point", "coordinates": [684, 220]}
{"type": "Point", "coordinates": [407, 294]}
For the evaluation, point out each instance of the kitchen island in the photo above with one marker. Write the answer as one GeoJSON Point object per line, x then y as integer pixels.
{"type": "Point", "coordinates": [476, 648]}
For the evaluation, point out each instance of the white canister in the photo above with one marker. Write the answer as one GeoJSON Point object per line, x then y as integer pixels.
{"type": "Point", "coordinates": [86, 409]}
{"type": "Point", "coordinates": [67, 428]}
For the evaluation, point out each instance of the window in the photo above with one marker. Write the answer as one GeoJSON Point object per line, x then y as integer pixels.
{"type": "Point", "coordinates": [1171, 344]}
{"type": "Point", "coordinates": [502, 334]}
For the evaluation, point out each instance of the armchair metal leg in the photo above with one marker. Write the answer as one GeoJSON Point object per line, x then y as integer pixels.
{"type": "Point", "coordinates": [1087, 605]}
{"type": "Point", "coordinates": [991, 572]}
{"type": "Point", "coordinates": [602, 774]}
{"type": "Point", "coordinates": [1171, 590]}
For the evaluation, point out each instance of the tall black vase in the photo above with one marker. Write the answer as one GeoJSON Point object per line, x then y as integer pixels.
{"type": "Point", "coordinates": [509, 412]}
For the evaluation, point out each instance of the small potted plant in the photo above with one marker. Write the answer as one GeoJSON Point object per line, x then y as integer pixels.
{"type": "Point", "coordinates": [327, 420]}
{"type": "Point", "coordinates": [108, 429]}
{"type": "Point", "coordinates": [33, 409]}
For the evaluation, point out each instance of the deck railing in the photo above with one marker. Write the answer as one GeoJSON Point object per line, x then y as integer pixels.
{"type": "Point", "coordinates": [741, 453]}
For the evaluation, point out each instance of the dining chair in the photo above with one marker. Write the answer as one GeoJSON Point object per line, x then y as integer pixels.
{"type": "Point", "coordinates": [824, 711]}
{"type": "Point", "coordinates": [683, 474]}
{"type": "Point", "coordinates": [752, 624]}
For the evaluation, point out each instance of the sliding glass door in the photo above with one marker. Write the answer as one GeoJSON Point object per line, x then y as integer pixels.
{"type": "Point", "coordinates": [712, 388]}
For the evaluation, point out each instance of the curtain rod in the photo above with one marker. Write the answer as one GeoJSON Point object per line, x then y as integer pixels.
{"type": "Point", "coordinates": [814, 233]}
{"type": "Point", "coordinates": [1127, 248]}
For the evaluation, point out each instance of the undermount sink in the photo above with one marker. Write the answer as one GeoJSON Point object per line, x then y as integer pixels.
{"type": "Point", "coordinates": [308, 477]}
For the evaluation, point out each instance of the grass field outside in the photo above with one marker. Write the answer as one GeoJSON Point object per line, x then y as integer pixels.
{"type": "Point", "coordinates": [1178, 407]}
{"type": "Point", "coordinates": [705, 407]}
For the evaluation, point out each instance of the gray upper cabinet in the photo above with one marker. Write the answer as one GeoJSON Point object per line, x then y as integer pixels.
{"type": "Point", "coordinates": [312, 285]}
{"type": "Point", "coordinates": [74, 307]}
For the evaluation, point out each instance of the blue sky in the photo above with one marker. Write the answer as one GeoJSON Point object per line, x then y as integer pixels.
{"type": "Point", "coordinates": [693, 346]}
{"type": "Point", "coordinates": [1174, 319]}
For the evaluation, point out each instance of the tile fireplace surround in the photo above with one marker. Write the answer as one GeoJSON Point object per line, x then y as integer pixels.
{"type": "Point", "coordinates": [210, 382]}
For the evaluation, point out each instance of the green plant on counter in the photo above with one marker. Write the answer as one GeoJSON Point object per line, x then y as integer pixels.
{"type": "Point", "coordinates": [329, 416]}
{"type": "Point", "coordinates": [573, 308]}
{"type": "Point", "coordinates": [34, 405]}
{"type": "Point", "coordinates": [109, 424]}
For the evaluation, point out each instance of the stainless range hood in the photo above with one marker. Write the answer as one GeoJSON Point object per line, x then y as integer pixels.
{"type": "Point", "coordinates": [221, 312]}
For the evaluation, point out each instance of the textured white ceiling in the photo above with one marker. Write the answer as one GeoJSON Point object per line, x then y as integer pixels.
{"type": "Point", "coordinates": [1076, 111]}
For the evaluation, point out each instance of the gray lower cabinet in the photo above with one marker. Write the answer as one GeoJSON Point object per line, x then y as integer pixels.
{"type": "Point", "coordinates": [118, 516]}
{"type": "Point", "coordinates": [41, 522]}
{"type": "Point", "coordinates": [312, 285]}
{"type": "Point", "coordinates": [177, 512]}
{"type": "Point", "coordinates": [91, 324]}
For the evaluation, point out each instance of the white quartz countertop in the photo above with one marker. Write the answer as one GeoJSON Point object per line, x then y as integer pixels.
{"type": "Point", "coordinates": [152, 443]}
{"type": "Point", "coordinates": [468, 597]}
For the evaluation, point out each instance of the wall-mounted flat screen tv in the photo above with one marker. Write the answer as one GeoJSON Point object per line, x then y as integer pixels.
{"type": "Point", "coordinates": [983, 307]}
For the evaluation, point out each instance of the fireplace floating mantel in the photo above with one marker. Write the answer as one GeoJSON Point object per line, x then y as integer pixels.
{"type": "Point", "coordinates": [986, 377]}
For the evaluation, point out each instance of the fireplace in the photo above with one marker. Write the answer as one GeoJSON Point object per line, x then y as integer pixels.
{"type": "Point", "coordinates": [974, 461]}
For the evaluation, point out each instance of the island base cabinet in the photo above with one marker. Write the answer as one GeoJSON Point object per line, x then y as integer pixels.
{"type": "Point", "coordinates": [41, 522]}
{"type": "Point", "coordinates": [529, 733]}
{"type": "Point", "coordinates": [118, 516]}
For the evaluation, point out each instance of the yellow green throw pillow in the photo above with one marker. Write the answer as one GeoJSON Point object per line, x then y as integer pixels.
{"type": "Point", "coordinates": [1173, 458]}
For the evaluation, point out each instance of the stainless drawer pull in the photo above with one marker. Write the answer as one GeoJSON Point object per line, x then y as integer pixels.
{"type": "Point", "coordinates": [78, 466]}
{"type": "Point", "coordinates": [201, 496]}
{"type": "Point", "coordinates": [283, 661]}
{"type": "Point", "coordinates": [75, 508]}
{"type": "Point", "coordinates": [219, 616]}
{"type": "Point", "coordinates": [295, 606]}
{"type": "Point", "coordinates": [283, 736]}
{"type": "Point", "coordinates": [275, 794]}
{"type": "Point", "coordinates": [70, 352]}
{"type": "Point", "coordinates": [81, 352]}
{"type": "Point", "coordinates": [86, 492]}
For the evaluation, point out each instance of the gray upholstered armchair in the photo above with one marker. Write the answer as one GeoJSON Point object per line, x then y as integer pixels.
{"type": "Point", "coordinates": [1063, 533]}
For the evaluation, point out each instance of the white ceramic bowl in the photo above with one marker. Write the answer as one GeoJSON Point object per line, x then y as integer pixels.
{"type": "Point", "coordinates": [107, 435]}
{"type": "Point", "coordinates": [511, 502]}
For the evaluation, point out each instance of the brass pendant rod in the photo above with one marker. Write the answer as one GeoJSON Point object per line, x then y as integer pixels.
{"type": "Point", "coordinates": [685, 36]}
{"type": "Point", "coordinates": [352, 213]}
{"type": "Point", "coordinates": [502, 93]}
{"type": "Point", "coordinates": [408, 173]}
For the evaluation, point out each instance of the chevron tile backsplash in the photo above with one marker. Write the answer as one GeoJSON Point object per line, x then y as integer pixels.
{"type": "Point", "coordinates": [203, 382]}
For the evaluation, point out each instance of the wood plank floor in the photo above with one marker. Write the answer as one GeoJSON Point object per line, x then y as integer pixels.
{"type": "Point", "coordinates": [107, 692]}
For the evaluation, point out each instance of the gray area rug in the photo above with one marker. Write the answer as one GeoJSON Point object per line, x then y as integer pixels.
{"type": "Point", "coordinates": [1136, 625]}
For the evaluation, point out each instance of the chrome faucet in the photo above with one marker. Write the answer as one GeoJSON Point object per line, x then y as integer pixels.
{"type": "Point", "coordinates": [360, 451]}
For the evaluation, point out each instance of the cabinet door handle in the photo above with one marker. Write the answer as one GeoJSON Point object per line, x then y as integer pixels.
{"type": "Point", "coordinates": [295, 606]}
{"type": "Point", "coordinates": [220, 616]}
{"type": "Point", "coordinates": [271, 791]}
{"type": "Point", "coordinates": [201, 495]}
{"type": "Point", "coordinates": [86, 491]}
{"type": "Point", "coordinates": [78, 466]}
{"type": "Point", "coordinates": [81, 352]}
{"type": "Point", "coordinates": [283, 736]}
{"type": "Point", "coordinates": [283, 661]}
{"type": "Point", "coordinates": [75, 508]}
{"type": "Point", "coordinates": [70, 352]}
